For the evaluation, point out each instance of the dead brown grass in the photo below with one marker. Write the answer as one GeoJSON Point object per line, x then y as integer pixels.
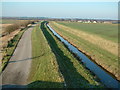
{"type": "Point", "coordinates": [4, 41]}
{"type": "Point", "coordinates": [3, 26]}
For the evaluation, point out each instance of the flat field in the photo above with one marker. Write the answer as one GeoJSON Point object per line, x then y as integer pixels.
{"type": "Point", "coordinates": [6, 22]}
{"type": "Point", "coordinates": [107, 31]}
{"type": "Point", "coordinates": [99, 41]}
{"type": "Point", "coordinates": [10, 21]}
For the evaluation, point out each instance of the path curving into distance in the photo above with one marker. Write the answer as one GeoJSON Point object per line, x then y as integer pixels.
{"type": "Point", "coordinates": [18, 68]}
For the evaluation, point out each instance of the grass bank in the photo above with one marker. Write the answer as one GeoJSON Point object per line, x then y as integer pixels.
{"type": "Point", "coordinates": [44, 70]}
{"type": "Point", "coordinates": [99, 52]}
{"type": "Point", "coordinates": [74, 73]}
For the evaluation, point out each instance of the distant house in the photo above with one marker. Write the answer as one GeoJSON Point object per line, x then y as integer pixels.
{"type": "Point", "coordinates": [88, 21]}
{"type": "Point", "coordinates": [79, 21]}
{"type": "Point", "coordinates": [94, 21]}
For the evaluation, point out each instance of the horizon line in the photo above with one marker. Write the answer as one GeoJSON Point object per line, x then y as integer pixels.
{"type": "Point", "coordinates": [56, 17]}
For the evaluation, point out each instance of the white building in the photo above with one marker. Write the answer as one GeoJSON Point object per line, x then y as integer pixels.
{"type": "Point", "coordinates": [80, 21]}
{"type": "Point", "coordinates": [94, 22]}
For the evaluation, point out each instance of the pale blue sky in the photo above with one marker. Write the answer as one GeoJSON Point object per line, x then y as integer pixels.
{"type": "Point", "coordinates": [99, 10]}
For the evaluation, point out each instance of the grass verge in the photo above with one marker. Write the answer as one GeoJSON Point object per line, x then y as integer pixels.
{"type": "Point", "coordinates": [44, 70]}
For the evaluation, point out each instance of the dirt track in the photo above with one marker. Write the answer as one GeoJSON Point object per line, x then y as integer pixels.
{"type": "Point", "coordinates": [17, 71]}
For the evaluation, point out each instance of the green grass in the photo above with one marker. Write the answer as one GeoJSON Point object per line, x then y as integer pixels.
{"type": "Point", "coordinates": [9, 50]}
{"type": "Point", "coordinates": [44, 70]}
{"type": "Point", "coordinates": [74, 73]}
{"type": "Point", "coordinates": [107, 31]}
{"type": "Point", "coordinates": [101, 56]}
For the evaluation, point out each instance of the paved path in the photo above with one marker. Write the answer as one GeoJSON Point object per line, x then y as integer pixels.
{"type": "Point", "coordinates": [17, 71]}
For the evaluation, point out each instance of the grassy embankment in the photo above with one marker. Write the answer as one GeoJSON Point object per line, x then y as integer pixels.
{"type": "Point", "coordinates": [44, 70]}
{"type": "Point", "coordinates": [94, 40]}
{"type": "Point", "coordinates": [74, 73]}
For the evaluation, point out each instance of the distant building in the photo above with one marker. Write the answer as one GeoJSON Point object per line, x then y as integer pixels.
{"type": "Point", "coordinates": [88, 21]}
{"type": "Point", "coordinates": [94, 21]}
{"type": "Point", "coordinates": [79, 21]}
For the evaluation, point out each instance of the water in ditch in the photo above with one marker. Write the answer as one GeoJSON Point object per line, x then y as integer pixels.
{"type": "Point", "coordinates": [104, 77]}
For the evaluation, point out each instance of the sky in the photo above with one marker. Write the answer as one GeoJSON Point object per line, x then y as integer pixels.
{"type": "Point", "coordinates": [60, 0]}
{"type": "Point", "coordinates": [87, 10]}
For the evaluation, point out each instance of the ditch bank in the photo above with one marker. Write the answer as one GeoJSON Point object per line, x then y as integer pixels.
{"type": "Point", "coordinates": [104, 76]}
{"type": "Point", "coordinates": [103, 66]}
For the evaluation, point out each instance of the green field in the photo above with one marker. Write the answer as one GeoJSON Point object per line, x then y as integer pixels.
{"type": "Point", "coordinates": [107, 31]}
{"type": "Point", "coordinates": [97, 43]}
{"type": "Point", "coordinates": [55, 65]}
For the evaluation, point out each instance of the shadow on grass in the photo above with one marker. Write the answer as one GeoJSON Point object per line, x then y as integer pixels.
{"type": "Point", "coordinates": [45, 84]}
{"type": "Point", "coordinates": [72, 78]}
{"type": "Point", "coordinates": [34, 85]}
